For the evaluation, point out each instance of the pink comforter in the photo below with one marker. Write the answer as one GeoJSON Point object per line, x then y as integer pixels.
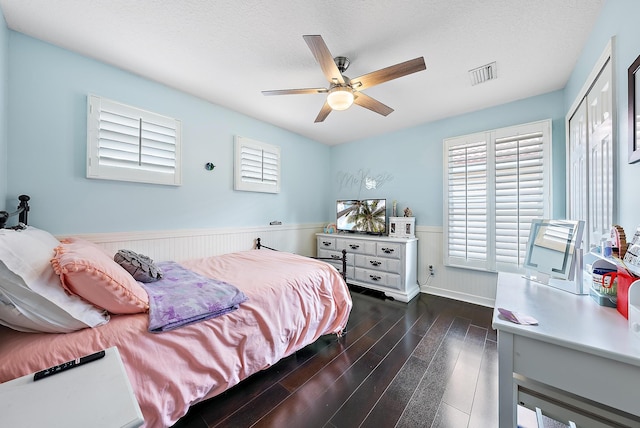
{"type": "Point", "coordinates": [293, 300]}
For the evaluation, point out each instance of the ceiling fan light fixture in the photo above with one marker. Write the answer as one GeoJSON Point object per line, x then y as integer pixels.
{"type": "Point", "coordinates": [340, 98]}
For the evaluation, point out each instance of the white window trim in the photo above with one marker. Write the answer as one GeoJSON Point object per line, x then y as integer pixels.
{"type": "Point", "coordinates": [267, 166]}
{"type": "Point", "coordinates": [169, 175]}
{"type": "Point", "coordinates": [490, 137]}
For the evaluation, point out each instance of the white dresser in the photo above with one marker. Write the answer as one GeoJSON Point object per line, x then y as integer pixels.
{"type": "Point", "coordinates": [376, 262]}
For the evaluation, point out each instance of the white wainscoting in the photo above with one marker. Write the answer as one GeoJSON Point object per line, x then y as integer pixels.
{"type": "Point", "coordinates": [461, 284]}
{"type": "Point", "coordinates": [180, 245]}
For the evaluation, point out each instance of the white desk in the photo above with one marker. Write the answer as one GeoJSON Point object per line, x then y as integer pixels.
{"type": "Point", "coordinates": [580, 361]}
{"type": "Point", "coordinates": [96, 394]}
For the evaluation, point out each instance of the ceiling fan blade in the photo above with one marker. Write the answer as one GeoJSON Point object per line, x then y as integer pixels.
{"type": "Point", "coordinates": [325, 59]}
{"type": "Point", "coordinates": [324, 112]}
{"type": "Point", "coordinates": [295, 91]}
{"type": "Point", "coordinates": [372, 104]}
{"type": "Point", "coordinates": [384, 75]}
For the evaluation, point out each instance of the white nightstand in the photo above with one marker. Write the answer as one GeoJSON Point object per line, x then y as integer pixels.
{"type": "Point", "coordinates": [96, 394]}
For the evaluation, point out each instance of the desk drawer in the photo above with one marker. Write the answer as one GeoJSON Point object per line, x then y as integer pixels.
{"type": "Point", "coordinates": [559, 407]}
{"type": "Point", "coordinates": [608, 382]}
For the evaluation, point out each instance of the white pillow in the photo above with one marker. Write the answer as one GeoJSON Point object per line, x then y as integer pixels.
{"type": "Point", "coordinates": [29, 283]}
{"type": "Point", "coordinates": [10, 316]}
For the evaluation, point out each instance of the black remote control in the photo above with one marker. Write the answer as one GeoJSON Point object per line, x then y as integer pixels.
{"type": "Point", "coordinates": [68, 365]}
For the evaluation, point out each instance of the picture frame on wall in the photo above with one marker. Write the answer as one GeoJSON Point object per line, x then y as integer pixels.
{"type": "Point", "coordinates": [634, 111]}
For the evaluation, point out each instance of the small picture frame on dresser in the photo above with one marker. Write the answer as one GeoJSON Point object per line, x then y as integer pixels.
{"type": "Point", "coordinates": [402, 227]}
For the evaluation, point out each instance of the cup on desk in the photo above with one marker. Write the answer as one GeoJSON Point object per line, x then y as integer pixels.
{"type": "Point", "coordinates": [604, 280]}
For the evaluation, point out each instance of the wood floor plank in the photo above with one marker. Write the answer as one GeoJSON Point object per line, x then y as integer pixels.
{"type": "Point", "coordinates": [371, 325]}
{"type": "Point", "coordinates": [272, 397]}
{"type": "Point", "coordinates": [303, 407]}
{"type": "Point", "coordinates": [450, 417]}
{"type": "Point", "coordinates": [462, 383]}
{"type": "Point", "coordinates": [242, 395]}
{"type": "Point", "coordinates": [326, 390]}
{"type": "Point", "coordinates": [389, 407]}
{"type": "Point", "coordinates": [357, 407]}
{"type": "Point", "coordinates": [484, 412]}
{"type": "Point", "coordinates": [423, 406]}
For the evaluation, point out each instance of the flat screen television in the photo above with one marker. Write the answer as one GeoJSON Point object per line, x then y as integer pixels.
{"type": "Point", "coordinates": [362, 215]}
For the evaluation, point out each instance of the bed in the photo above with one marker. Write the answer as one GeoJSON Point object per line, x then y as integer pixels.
{"type": "Point", "coordinates": [291, 301]}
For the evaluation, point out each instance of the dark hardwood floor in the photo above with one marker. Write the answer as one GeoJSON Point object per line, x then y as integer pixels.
{"type": "Point", "coordinates": [429, 363]}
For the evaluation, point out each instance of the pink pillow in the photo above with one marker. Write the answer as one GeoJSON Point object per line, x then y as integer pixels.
{"type": "Point", "coordinates": [87, 271]}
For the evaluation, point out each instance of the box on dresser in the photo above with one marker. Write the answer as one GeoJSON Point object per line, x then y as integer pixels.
{"type": "Point", "coordinates": [381, 263]}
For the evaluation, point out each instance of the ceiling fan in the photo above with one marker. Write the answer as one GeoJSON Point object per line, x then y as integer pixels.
{"type": "Point", "coordinates": [342, 91]}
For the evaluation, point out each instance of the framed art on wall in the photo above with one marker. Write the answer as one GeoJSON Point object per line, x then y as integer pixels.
{"type": "Point", "coordinates": [634, 111]}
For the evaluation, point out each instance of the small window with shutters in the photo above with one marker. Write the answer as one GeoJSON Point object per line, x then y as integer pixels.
{"type": "Point", "coordinates": [129, 144]}
{"type": "Point", "coordinates": [257, 166]}
{"type": "Point", "coordinates": [495, 183]}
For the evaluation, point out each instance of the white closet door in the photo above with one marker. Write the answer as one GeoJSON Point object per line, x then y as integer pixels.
{"type": "Point", "coordinates": [590, 157]}
{"type": "Point", "coordinates": [600, 141]}
{"type": "Point", "coordinates": [578, 165]}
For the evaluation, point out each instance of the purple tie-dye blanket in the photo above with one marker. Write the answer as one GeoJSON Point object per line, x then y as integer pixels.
{"type": "Point", "coordinates": [183, 297]}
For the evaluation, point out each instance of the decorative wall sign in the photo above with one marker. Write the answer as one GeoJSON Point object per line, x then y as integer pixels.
{"type": "Point", "coordinates": [363, 179]}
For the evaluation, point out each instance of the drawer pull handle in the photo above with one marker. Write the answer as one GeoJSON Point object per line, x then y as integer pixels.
{"type": "Point", "coordinates": [326, 243]}
{"type": "Point", "coordinates": [335, 256]}
{"type": "Point", "coordinates": [354, 246]}
{"type": "Point", "coordinates": [375, 277]}
{"type": "Point", "coordinates": [387, 250]}
{"type": "Point", "coordinates": [375, 262]}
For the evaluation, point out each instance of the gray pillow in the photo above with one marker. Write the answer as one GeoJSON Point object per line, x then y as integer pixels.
{"type": "Point", "coordinates": [139, 266]}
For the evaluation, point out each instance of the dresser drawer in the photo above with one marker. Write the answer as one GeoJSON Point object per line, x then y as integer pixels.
{"type": "Point", "coordinates": [384, 279]}
{"type": "Point", "coordinates": [338, 266]}
{"type": "Point", "coordinates": [356, 246]}
{"type": "Point", "coordinates": [335, 259]}
{"type": "Point", "coordinates": [377, 263]}
{"type": "Point", "coordinates": [388, 250]}
{"type": "Point", "coordinates": [335, 255]}
{"type": "Point", "coordinates": [326, 243]}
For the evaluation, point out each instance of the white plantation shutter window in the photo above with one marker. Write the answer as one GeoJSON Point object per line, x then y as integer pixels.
{"type": "Point", "coordinates": [467, 204]}
{"type": "Point", "coordinates": [496, 182]}
{"type": "Point", "coordinates": [257, 167]}
{"type": "Point", "coordinates": [129, 144]}
{"type": "Point", "coordinates": [522, 189]}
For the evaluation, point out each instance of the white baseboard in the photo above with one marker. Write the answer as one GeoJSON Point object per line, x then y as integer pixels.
{"type": "Point", "coordinates": [456, 295]}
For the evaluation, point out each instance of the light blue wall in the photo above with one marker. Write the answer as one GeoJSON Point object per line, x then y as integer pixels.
{"type": "Point", "coordinates": [618, 18]}
{"type": "Point", "coordinates": [4, 79]}
{"type": "Point", "coordinates": [412, 162]}
{"type": "Point", "coordinates": [47, 126]}
{"type": "Point", "coordinates": [47, 148]}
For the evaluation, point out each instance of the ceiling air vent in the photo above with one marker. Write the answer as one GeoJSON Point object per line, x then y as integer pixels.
{"type": "Point", "coordinates": [482, 74]}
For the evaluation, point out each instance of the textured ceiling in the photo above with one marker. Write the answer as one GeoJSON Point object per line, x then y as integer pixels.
{"type": "Point", "coordinates": [227, 51]}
